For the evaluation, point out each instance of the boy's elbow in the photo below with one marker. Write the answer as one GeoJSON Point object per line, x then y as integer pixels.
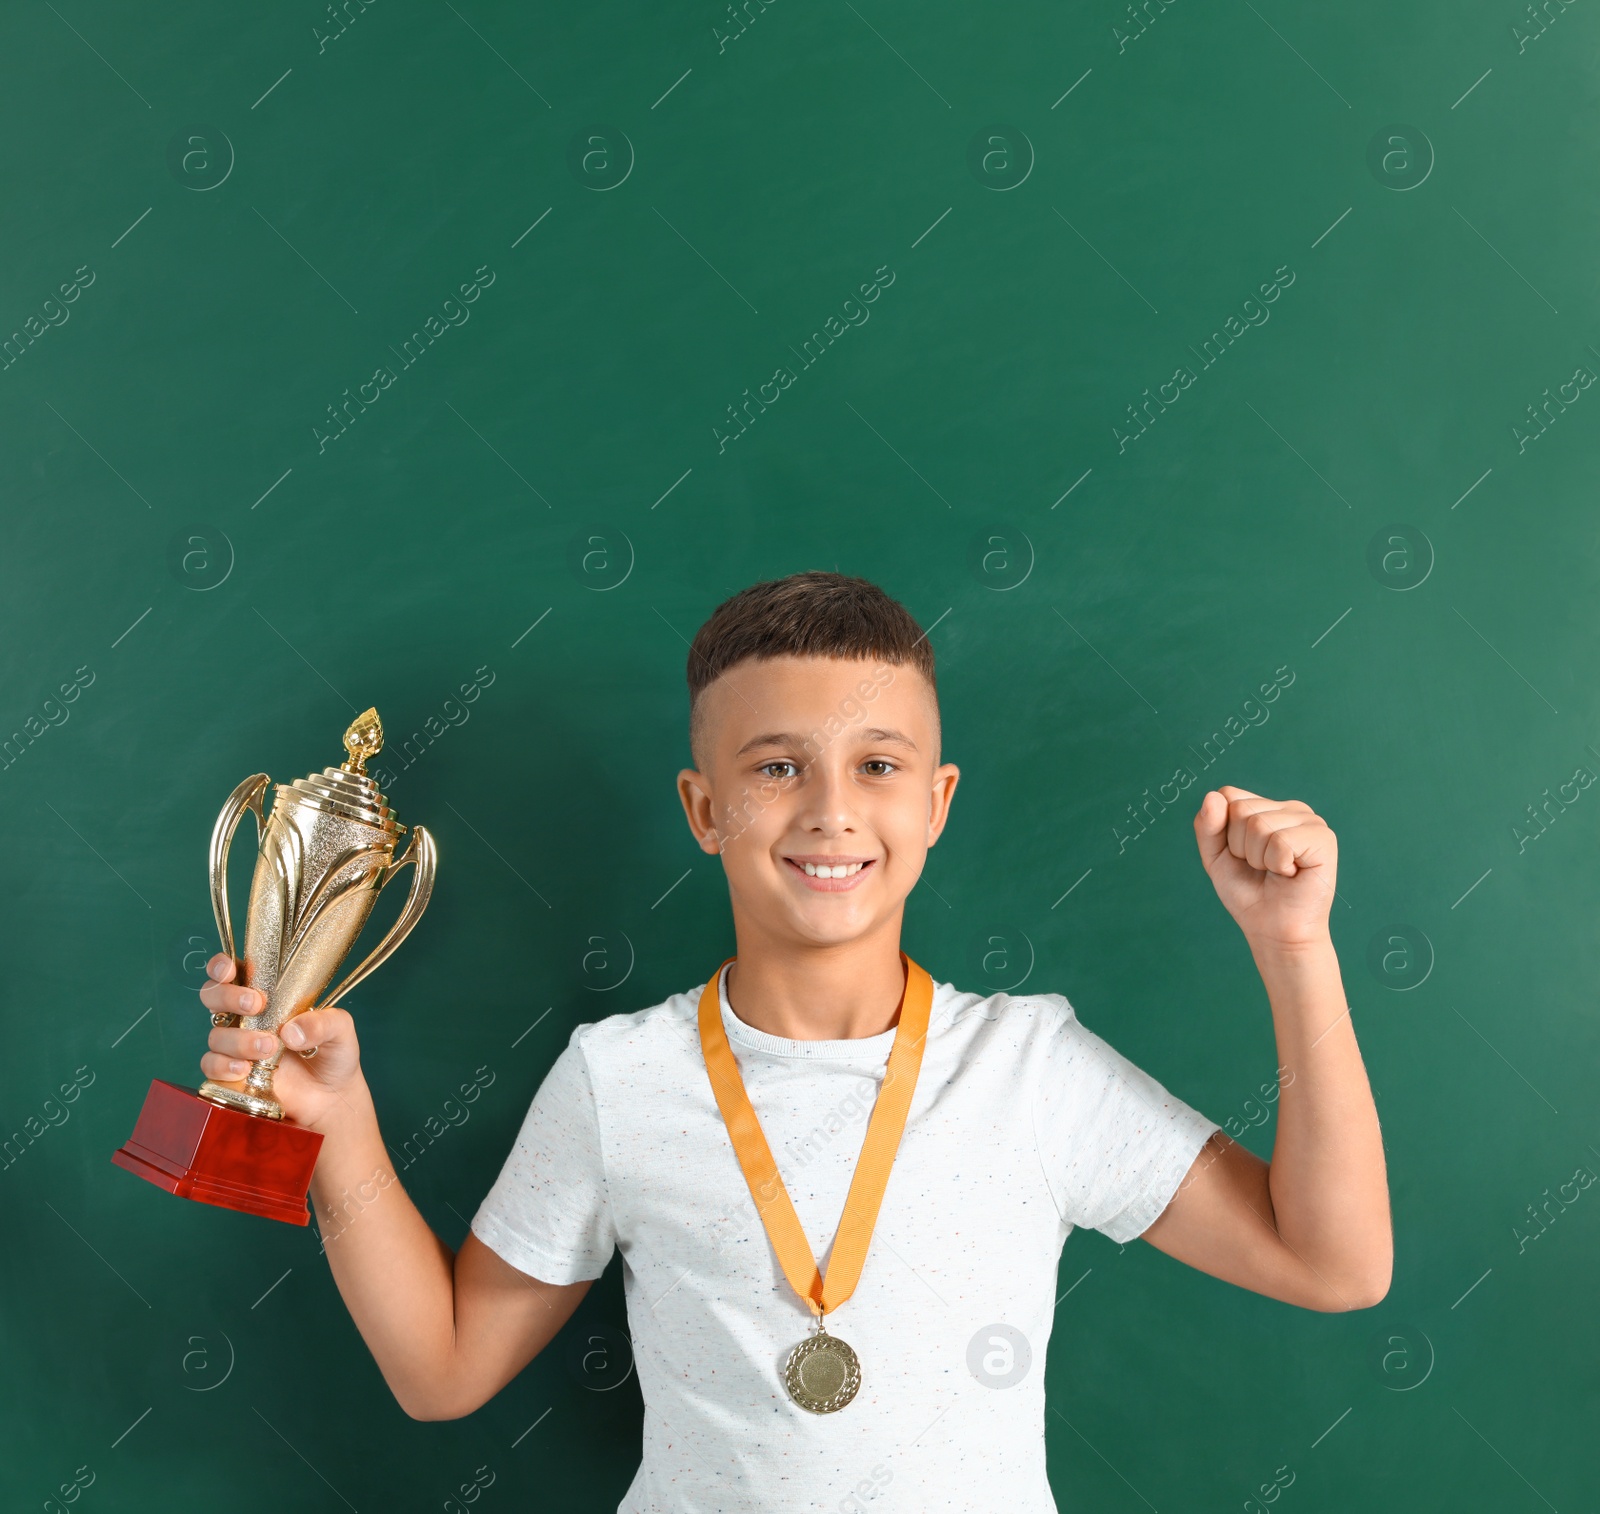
{"type": "Point", "coordinates": [1375, 1291]}
{"type": "Point", "coordinates": [1330, 1292]}
{"type": "Point", "coordinates": [431, 1410]}
{"type": "Point", "coordinates": [1380, 1275]}
{"type": "Point", "coordinates": [437, 1403]}
{"type": "Point", "coordinates": [1367, 1291]}
{"type": "Point", "coordinates": [1351, 1299]}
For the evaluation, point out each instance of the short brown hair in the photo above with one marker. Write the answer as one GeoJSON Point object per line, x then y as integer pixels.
{"type": "Point", "coordinates": [810, 614]}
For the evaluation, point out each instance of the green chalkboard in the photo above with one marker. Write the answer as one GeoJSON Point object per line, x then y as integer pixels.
{"type": "Point", "coordinates": [370, 354]}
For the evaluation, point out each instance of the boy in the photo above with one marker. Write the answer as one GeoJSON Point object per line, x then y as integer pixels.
{"type": "Point", "coordinates": [840, 1187]}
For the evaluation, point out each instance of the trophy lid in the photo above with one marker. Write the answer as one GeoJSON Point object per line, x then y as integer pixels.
{"type": "Point", "coordinates": [348, 790]}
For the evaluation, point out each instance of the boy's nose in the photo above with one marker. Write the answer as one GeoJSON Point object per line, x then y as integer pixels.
{"type": "Point", "coordinates": [827, 807]}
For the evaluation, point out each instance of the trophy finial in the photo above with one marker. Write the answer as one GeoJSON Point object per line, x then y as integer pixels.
{"type": "Point", "coordinates": [364, 739]}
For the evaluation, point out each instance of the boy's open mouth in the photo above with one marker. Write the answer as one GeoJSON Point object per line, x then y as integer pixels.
{"type": "Point", "coordinates": [830, 875]}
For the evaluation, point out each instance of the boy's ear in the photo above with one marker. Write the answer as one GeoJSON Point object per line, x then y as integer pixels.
{"type": "Point", "coordinates": [695, 793]}
{"type": "Point", "coordinates": [945, 778]}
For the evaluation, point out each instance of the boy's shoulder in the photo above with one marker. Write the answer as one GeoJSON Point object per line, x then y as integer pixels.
{"type": "Point", "coordinates": [672, 1021]}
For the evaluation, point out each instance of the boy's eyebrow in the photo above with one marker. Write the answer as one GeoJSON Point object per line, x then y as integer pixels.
{"type": "Point", "coordinates": [872, 733]}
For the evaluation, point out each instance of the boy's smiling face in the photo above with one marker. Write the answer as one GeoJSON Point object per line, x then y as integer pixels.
{"type": "Point", "coordinates": [826, 761]}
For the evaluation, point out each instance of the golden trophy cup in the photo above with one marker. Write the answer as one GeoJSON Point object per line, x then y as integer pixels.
{"type": "Point", "coordinates": [325, 854]}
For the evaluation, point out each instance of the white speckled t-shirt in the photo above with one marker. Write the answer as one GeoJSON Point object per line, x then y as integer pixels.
{"type": "Point", "coordinates": [1024, 1124]}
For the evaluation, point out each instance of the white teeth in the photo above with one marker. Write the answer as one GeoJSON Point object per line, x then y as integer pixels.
{"type": "Point", "coordinates": [843, 870]}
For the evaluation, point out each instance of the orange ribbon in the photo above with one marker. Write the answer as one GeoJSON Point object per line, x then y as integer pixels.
{"type": "Point", "coordinates": [872, 1167]}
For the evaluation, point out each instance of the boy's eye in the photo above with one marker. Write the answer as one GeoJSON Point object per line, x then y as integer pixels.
{"type": "Point", "coordinates": [779, 768]}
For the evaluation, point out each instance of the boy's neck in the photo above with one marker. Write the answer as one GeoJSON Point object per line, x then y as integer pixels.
{"type": "Point", "coordinates": [811, 993]}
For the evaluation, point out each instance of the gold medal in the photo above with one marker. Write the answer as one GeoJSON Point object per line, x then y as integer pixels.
{"type": "Point", "coordinates": [822, 1374]}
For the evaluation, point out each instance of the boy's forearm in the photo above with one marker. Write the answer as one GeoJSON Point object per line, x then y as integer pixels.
{"type": "Point", "coordinates": [395, 1275]}
{"type": "Point", "coordinates": [1327, 1177]}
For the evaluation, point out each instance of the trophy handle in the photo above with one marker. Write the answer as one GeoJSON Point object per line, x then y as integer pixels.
{"type": "Point", "coordinates": [425, 854]}
{"type": "Point", "coordinates": [246, 797]}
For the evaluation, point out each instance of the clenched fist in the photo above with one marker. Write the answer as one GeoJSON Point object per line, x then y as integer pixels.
{"type": "Point", "coordinates": [1274, 863]}
{"type": "Point", "coordinates": [314, 1090]}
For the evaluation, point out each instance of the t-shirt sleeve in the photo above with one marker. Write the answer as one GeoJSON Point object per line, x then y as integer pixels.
{"type": "Point", "coordinates": [1115, 1144]}
{"type": "Point", "coordinates": [548, 1213]}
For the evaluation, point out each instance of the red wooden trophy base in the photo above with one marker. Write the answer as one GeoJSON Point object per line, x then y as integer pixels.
{"type": "Point", "coordinates": [200, 1150]}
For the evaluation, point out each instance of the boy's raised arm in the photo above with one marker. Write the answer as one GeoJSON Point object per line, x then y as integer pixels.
{"type": "Point", "coordinates": [1312, 1227]}
{"type": "Point", "coordinates": [447, 1329]}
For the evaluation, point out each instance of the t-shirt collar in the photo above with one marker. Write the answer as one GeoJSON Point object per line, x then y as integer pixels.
{"type": "Point", "coordinates": [862, 1048]}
